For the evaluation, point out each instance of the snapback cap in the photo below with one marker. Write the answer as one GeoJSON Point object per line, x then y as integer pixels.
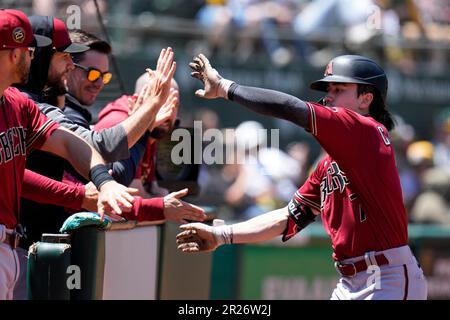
{"type": "Point", "coordinates": [16, 31]}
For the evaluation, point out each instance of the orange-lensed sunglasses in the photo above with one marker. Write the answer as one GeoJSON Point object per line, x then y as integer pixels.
{"type": "Point", "coordinates": [93, 74]}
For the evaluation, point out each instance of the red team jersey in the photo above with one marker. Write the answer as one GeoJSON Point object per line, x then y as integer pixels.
{"type": "Point", "coordinates": [22, 128]}
{"type": "Point", "coordinates": [356, 186]}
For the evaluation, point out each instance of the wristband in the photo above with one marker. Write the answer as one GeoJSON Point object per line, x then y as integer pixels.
{"type": "Point", "coordinates": [99, 175]}
{"type": "Point", "coordinates": [224, 234]}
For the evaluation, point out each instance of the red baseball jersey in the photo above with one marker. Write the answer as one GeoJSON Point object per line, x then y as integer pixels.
{"type": "Point", "coordinates": [356, 186]}
{"type": "Point", "coordinates": [22, 128]}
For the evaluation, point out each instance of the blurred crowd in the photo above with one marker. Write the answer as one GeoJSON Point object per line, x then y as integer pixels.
{"type": "Point", "coordinates": [424, 168]}
{"type": "Point", "coordinates": [407, 34]}
{"type": "Point", "coordinates": [315, 31]}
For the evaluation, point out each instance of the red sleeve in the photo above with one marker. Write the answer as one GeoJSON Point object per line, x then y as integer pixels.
{"type": "Point", "coordinates": [39, 127]}
{"type": "Point", "coordinates": [336, 129]}
{"type": "Point", "coordinates": [42, 189]}
{"type": "Point", "coordinates": [113, 113]}
{"type": "Point", "coordinates": [309, 193]}
{"type": "Point", "coordinates": [146, 210]}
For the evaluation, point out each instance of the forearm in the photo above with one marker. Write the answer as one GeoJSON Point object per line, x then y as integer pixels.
{"type": "Point", "coordinates": [137, 124]}
{"type": "Point", "coordinates": [111, 143]}
{"type": "Point", "coordinates": [271, 103]}
{"type": "Point", "coordinates": [74, 149]}
{"type": "Point", "coordinates": [124, 171]}
{"type": "Point", "coordinates": [42, 189]}
{"type": "Point", "coordinates": [261, 228]}
{"type": "Point", "coordinates": [146, 210]}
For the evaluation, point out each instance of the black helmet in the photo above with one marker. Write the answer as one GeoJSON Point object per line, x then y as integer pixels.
{"type": "Point", "coordinates": [353, 69]}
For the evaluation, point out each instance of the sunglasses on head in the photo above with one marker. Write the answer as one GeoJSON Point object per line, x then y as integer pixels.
{"type": "Point", "coordinates": [94, 74]}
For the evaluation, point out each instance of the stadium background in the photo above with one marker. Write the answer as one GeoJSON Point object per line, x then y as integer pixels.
{"type": "Point", "coordinates": [267, 45]}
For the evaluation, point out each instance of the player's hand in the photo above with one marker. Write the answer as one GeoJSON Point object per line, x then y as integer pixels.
{"type": "Point", "coordinates": [114, 197]}
{"type": "Point", "coordinates": [202, 70]}
{"type": "Point", "coordinates": [157, 90]}
{"type": "Point", "coordinates": [132, 105]}
{"type": "Point", "coordinates": [90, 197]}
{"type": "Point", "coordinates": [161, 78]}
{"type": "Point", "coordinates": [168, 111]}
{"type": "Point", "coordinates": [179, 211]}
{"type": "Point", "coordinates": [197, 237]}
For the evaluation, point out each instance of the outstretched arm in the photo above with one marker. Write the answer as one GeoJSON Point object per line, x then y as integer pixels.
{"type": "Point", "coordinates": [89, 163]}
{"type": "Point", "coordinates": [197, 237]}
{"type": "Point", "coordinates": [267, 102]}
{"type": "Point", "coordinates": [42, 189]}
{"type": "Point", "coordinates": [113, 143]}
{"type": "Point", "coordinates": [152, 97]}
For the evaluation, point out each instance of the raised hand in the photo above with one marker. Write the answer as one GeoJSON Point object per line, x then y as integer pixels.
{"type": "Point", "coordinates": [197, 237]}
{"type": "Point", "coordinates": [168, 111]}
{"type": "Point", "coordinates": [211, 79]}
{"type": "Point", "coordinates": [180, 211]}
{"type": "Point", "coordinates": [157, 90]}
{"type": "Point", "coordinates": [161, 78]}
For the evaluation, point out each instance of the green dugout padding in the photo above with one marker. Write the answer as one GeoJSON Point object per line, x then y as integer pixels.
{"type": "Point", "coordinates": [302, 268]}
{"type": "Point", "coordinates": [47, 265]}
{"type": "Point", "coordinates": [88, 253]}
{"type": "Point", "coordinates": [125, 261]}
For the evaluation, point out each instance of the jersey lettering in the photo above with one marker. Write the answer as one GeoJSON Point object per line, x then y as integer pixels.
{"type": "Point", "coordinates": [12, 143]}
{"type": "Point", "coordinates": [335, 179]}
{"type": "Point", "coordinates": [384, 136]}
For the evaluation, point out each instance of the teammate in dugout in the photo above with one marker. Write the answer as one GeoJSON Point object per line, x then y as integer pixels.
{"type": "Point", "coordinates": [355, 186]}
{"type": "Point", "coordinates": [23, 128]}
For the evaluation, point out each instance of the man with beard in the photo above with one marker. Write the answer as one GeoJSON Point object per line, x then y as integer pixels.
{"type": "Point", "coordinates": [112, 144]}
{"type": "Point", "coordinates": [53, 61]}
{"type": "Point", "coordinates": [120, 109]}
{"type": "Point", "coordinates": [24, 128]}
{"type": "Point", "coordinates": [84, 83]}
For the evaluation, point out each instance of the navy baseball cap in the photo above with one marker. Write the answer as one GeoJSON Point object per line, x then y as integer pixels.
{"type": "Point", "coordinates": [56, 28]}
{"type": "Point", "coordinates": [61, 39]}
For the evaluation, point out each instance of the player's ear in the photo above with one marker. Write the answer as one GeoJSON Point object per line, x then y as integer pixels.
{"type": "Point", "coordinates": [14, 55]}
{"type": "Point", "coordinates": [366, 99]}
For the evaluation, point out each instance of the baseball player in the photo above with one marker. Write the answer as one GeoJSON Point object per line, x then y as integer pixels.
{"type": "Point", "coordinates": [23, 128]}
{"type": "Point", "coordinates": [113, 143]}
{"type": "Point", "coordinates": [355, 187]}
{"type": "Point", "coordinates": [119, 110]}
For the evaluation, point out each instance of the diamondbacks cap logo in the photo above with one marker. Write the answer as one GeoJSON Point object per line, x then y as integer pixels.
{"type": "Point", "coordinates": [18, 35]}
{"type": "Point", "coordinates": [329, 69]}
